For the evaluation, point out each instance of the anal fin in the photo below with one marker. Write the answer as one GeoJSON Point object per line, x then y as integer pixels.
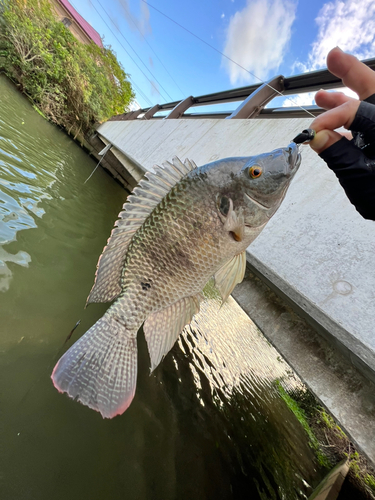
{"type": "Point", "coordinates": [163, 327]}
{"type": "Point", "coordinates": [231, 273]}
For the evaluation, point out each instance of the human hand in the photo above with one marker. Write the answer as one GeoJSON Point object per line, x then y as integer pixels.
{"type": "Point", "coordinates": [352, 161]}
{"type": "Point", "coordinates": [341, 108]}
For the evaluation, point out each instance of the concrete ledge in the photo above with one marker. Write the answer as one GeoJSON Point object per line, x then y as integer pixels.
{"type": "Point", "coordinates": [336, 382]}
{"type": "Point", "coordinates": [359, 354]}
{"type": "Point", "coordinates": [330, 487]}
{"type": "Point", "coordinates": [112, 163]}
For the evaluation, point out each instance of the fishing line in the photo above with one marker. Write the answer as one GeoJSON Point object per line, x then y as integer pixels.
{"type": "Point", "coordinates": [93, 172]}
{"type": "Point", "coordinates": [124, 6]}
{"type": "Point", "coordinates": [227, 57]}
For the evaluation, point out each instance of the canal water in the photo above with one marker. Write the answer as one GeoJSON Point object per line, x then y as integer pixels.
{"type": "Point", "coordinates": [209, 423]}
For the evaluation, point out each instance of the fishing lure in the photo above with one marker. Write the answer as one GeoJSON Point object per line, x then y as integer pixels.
{"type": "Point", "coordinates": [305, 136]}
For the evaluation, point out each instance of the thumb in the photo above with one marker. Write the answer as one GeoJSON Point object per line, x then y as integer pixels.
{"type": "Point", "coordinates": [324, 139]}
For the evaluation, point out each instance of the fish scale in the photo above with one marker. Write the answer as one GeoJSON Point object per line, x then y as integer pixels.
{"type": "Point", "coordinates": [181, 226]}
{"type": "Point", "coordinates": [149, 255]}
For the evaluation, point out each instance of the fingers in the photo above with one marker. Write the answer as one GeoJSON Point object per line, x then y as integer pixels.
{"type": "Point", "coordinates": [341, 108]}
{"type": "Point", "coordinates": [354, 74]}
{"type": "Point", "coordinates": [341, 116]}
{"type": "Point", "coordinates": [324, 139]}
{"type": "Point", "coordinates": [347, 134]}
{"type": "Point", "coordinates": [329, 100]}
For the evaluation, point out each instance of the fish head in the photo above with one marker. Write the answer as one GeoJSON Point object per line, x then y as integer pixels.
{"type": "Point", "coordinates": [253, 186]}
{"type": "Point", "coordinates": [264, 180]}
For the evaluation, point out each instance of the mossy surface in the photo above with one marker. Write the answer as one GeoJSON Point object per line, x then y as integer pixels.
{"type": "Point", "coordinates": [328, 440]}
{"type": "Point", "coordinates": [301, 416]}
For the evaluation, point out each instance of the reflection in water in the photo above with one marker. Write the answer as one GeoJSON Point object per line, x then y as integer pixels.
{"type": "Point", "coordinates": [23, 183]}
{"type": "Point", "coordinates": [224, 364]}
{"type": "Point", "coordinates": [207, 424]}
{"type": "Point", "coordinates": [20, 258]}
{"type": "Point", "coordinates": [224, 335]}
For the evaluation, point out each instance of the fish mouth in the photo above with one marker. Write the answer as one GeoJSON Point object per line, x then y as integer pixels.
{"type": "Point", "coordinates": [294, 156]}
{"type": "Point", "coordinates": [297, 162]}
{"type": "Point", "coordinates": [260, 205]}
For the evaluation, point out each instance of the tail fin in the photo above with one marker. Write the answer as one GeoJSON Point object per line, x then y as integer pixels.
{"type": "Point", "coordinates": [100, 369]}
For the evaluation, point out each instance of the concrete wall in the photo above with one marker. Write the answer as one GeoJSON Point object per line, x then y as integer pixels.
{"type": "Point", "coordinates": [317, 249]}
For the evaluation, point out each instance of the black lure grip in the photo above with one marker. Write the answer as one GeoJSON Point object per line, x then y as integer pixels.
{"type": "Point", "coordinates": [306, 135]}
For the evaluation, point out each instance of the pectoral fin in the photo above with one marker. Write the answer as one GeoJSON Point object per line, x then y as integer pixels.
{"type": "Point", "coordinates": [163, 327]}
{"type": "Point", "coordinates": [230, 274]}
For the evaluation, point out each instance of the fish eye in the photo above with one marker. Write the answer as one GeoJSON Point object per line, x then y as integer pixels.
{"type": "Point", "coordinates": [255, 171]}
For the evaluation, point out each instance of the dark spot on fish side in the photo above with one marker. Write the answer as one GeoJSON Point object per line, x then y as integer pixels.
{"type": "Point", "coordinates": [145, 286]}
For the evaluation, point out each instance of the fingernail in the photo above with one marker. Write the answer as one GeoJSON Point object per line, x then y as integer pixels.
{"type": "Point", "coordinates": [320, 141]}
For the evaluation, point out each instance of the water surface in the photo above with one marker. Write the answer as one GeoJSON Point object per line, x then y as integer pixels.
{"type": "Point", "coordinates": [207, 424]}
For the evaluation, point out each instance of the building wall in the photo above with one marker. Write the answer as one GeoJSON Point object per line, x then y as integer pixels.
{"type": "Point", "coordinates": [76, 30]}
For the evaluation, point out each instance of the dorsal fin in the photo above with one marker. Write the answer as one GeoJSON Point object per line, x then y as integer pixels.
{"type": "Point", "coordinates": [139, 205]}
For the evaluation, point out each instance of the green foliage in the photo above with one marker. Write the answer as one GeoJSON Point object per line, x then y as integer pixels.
{"type": "Point", "coordinates": [331, 424]}
{"type": "Point", "coordinates": [354, 462]}
{"type": "Point", "coordinates": [300, 414]}
{"type": "Point", "coordinates": [328, 440]}
{"type": "Point", "coordinates": [74, 84]}
{"type": "Point", "coordinates": [370, 481]}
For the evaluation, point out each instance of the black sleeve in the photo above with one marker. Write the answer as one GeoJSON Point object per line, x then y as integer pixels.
{"type": "Point", "coordinates": [353, 161]}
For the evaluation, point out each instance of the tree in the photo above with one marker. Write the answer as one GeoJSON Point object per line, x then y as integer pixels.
{"type": "Point", "coordinates": [73, 84]}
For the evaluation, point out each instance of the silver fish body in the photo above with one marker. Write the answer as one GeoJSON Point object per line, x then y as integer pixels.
{"type": "Point", "coordinates": [182, 226]}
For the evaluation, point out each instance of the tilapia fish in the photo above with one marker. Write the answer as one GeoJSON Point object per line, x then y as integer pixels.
{"type": "Point", "coordinates": [182, 225]}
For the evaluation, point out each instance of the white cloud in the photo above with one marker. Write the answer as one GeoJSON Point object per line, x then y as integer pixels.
{"type": "Point", "coordinates": [115, 22]}
{"type": "Point", "coordinates": [154, 88]}
{"type": "Point", "coordinates": [145, 19]}
{"type": "Point", "coordinates": [222, 15]}
{"type": "Point", "coordinates": [134, 105]}
{"type": "Point", "coordinates": [350, 24]}
{"type": "Point", "coordinates": [347, 91]}
{"type": "Point", "coordinates": [141, 22]}
{"type": "Point", "coordinates": [257, 38]}
{"type": "Point", "coordinates": [308, 98]}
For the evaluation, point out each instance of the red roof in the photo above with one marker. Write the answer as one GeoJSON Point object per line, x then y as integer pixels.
{"type": "Point", "coordinates": [87, 28]}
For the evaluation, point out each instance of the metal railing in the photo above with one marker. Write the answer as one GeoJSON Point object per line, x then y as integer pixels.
{"type": "Point", "coordinates": [254, 97]}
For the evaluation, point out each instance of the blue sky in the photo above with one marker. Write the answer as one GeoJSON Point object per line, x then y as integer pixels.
{"type": "Point", "coordinates": [268, 37]}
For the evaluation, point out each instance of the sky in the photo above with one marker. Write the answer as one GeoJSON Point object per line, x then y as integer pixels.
{"type": "Point", "coordinates": [266, 37]}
